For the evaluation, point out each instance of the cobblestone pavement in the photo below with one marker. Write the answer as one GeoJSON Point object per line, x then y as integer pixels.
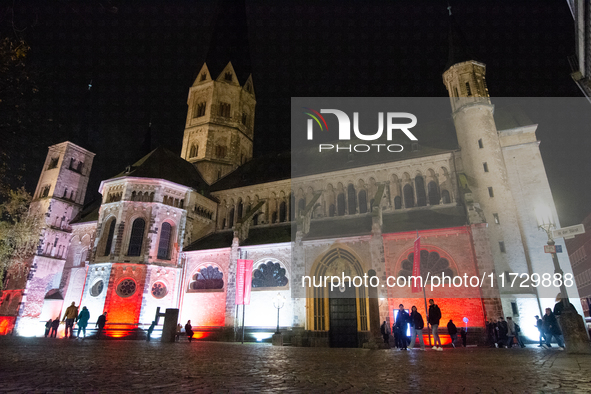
{"type": "Point", "coordinates": [62, 365]}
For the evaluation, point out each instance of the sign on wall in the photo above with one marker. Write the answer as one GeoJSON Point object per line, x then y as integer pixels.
{"type": "Point", "coordinates": [243, 281]}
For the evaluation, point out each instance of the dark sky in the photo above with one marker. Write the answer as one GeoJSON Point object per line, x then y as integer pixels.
{"type": "Point", "coordinates": [142, 58]}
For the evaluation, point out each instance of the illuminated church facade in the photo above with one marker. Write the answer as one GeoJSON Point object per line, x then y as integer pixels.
{"type": "Point", "coordinates": [170, 228]}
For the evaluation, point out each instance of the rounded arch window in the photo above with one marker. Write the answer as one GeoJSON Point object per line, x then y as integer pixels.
{"type": "Point", "coordinates": [159, 290]}
{"type": "Point", "coordinates": [269, 274]}
{"type": "Point", "coordinates": [208, 278]}
{"type": "Point", "coordinates": [126, 288]}
{"type": "Point", "coordinates": [97, 288]}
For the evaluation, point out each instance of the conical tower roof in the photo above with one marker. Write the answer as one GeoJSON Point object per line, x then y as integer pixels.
{"type": "Point", "coordinates": [229, 41]}
{"type": "Point", "coordinates": [458, 49]}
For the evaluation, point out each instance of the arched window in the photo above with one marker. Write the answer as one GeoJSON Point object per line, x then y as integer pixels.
{"type": "Point", "coordinates": [137, 237]}
{"type": "Point", "coordinates": [133, 196]}
{"type": "Point", "coordinates": [409, 196]}
{"type": "Point", "coordinates": [397, 202]}
{"type": "Point", "coordinates": [110, 235]}
{"type": "Point", "coordinates": [292, 207]}
{"type": "Point", "coordinates": [255, 220]}
{"type": "Point", "coordinates": [269, 274]}
{"type": "Point", "coordinates": [445, 197]}
{"type": "Point", "coordinates": [362, 201]}
{"type": "Point", "coordinates": [194, 151]}
{"type": "Point", "coordinates": [208, 278]}
{"type": "Point", "coordinates": [352, 200]}
{"type": "Point", "coordinates": [301, 205]}
{"type": "Point", "coordinates": [240, 209]}
{"type": "Point", "coordinates": [282, 212]}
{"type": "Point", "coordinates": [164, 244]}
{"type": "Point", "coordinates": [231, 218]}
{"type": "Point", "coordinates": [433, 193]}
{"type": "Point", "coordinates": [341, 204]}
{"type": "Point", "coordinates": [331, 210]}
{"type": "Point", "coordinates": [420, 188]}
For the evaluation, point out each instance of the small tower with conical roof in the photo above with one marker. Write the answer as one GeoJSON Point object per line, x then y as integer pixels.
{"type": "Point", "coordinates": [219, 128]}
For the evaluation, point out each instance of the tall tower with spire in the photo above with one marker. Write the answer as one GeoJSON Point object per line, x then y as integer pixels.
{"type": "Point", "coordinates": [219, 128]}
{"type": "Point", "coordinates": [487, 192]}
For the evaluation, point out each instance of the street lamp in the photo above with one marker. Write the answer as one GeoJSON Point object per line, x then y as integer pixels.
{"type": "Point", "coordinates": [546, 223]}
{"type": "Point", "coordinates": [278, 302]}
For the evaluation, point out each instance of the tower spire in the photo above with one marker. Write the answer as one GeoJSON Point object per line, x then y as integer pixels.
{"type": "Point", "coordinates": [229, 41]}
{"type": "Point", "coordinates": [458, 49]}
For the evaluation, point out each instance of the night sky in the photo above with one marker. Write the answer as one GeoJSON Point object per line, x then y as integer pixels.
{"type": "Point", "coordinates": [142, 57]}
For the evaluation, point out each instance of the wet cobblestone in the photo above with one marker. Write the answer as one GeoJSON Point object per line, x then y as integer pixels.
{"type": "Point", "coordinates": [61, 365]}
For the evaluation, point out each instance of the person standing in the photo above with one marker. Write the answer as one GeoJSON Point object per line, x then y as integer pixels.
{"type": "Point", "coordinates": [464, 335]}
{"type": "Point", "coordinates": [100, 323]}
{"type": "Point", "coordinates": [518, 335]}
{"type": "Point", "coordinates": [70, 315]}
{"type": "Point", "coordinates": [433, 319]}
{"type": "Point", "coordinates": [453, 332]}
{"type": "Point", "coordinates": [150, 331]}
{"type": "Point", "coordinates": [54, 326]}
{"type": "Point", "coordinates": [385, 330]}
{"type": "Point", "coordinates": [179, 331]}
{"type": "Point", "coordinates": [416, 327]}
{"type": "Point", "coordinates": [82, 321]}
{"type": "Point", "coordinates": [552, 329]}
{"type": "Point", "coordinates": [189, 331]}
{"type": "Point", "coordinates": [490, 333]}
{"type": "Point", "coordinates": [540, 327]}
{"type": "Point", "coordinates": [502, 330]}
{"type": "Point", "coordinates": [510, 331]}
{"type": "Point", "coordinates": [48, 327]}
{"type": "Point", "coordinates": [402, 321]}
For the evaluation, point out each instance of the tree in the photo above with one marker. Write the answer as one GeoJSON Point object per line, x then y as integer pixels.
{"type": "Point", "coordinates": [20, 227]}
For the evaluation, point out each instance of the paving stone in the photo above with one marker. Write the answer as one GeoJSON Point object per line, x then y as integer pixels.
{"type": "Point", "coordinates": [58, 365]}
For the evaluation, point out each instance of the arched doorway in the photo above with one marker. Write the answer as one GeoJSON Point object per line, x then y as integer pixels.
{"type": "Point", "coordinates": [341, 312]}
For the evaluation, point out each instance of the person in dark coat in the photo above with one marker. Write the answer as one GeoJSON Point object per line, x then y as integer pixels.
{"type": "Point", "coordinates": [402, 321]}
{"type": "Point", "coordinates": [48, 327]}
{"type": "Point", "coordinates": [82, 321]}
{"type": "Point", "coordinates": [559, 306]}
{"type": "Point", "coordinates": [100, 323]}
{"type": "Point", "coordinates": [464, 334]}
{"type": "Point", "coordinates": [552, 329]}
{"type": "Point", "coordinates": [189, 331]}
{"type": "Point", "coordinates": [150, 331]}
{"type": "Point", "coordinates": [54, 326]}
{"type": "Point", "coordinates": [490, 333]}
{"type": "Point", "coordinates": [433, 319]}
{"type": "Point", "coordinates": [385, 330]}
{"type": "Point", "coordinates": [540, 327]}
{"type": "Point", "coordinates": [416, 327]}
{"type": "Point", "coordinates": [503, 329]}
{"type": "Point", "coordinates": [452, 330]}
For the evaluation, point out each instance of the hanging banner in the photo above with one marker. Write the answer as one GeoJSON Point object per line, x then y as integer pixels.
{"type": "Point", "coordinates": [416, 265]}
{"type": "Point", "coordinates": [243, 281]}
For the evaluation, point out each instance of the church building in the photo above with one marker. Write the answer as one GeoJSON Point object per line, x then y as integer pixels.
{"type": "Point", "coordinates": [170, 228]}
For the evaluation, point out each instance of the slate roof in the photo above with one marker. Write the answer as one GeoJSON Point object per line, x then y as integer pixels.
{"type": "Point", "coordinates": [257, 235]}
{"type": "Point", "coordinates": [89, 213]}
{"type": "Point", "coordinates": [164, 164]}
{"type": "Point", "coordinates": [424, 219]}
{"type": "Point", "coordinates": [217, 240]}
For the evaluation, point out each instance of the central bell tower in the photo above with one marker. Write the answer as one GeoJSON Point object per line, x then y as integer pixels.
{"type": "Point", "coordinates": [219, 128]}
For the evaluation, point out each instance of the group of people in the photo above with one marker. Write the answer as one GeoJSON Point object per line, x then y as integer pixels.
{"type": "Point", "coordinates": [72, 316]}
{"type": "Point", "coordinates": [417, 324]}
{"type": "Point", "coordinates": [188, 331]}
{"type": "Point", "coordinates": [503, 333]}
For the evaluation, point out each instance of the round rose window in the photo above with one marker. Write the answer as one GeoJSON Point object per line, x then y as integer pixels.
{"type": "Point", "coordinates": [159, 290]}
{"type": "Point", "coordinates": [126, 288]}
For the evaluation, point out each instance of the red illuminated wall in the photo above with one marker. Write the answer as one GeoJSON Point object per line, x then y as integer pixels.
{"type": "Point", "coordinates": [6, 324]}
{"type": "Point", "coordinates": [204, 309]}
{"type": "Point", "coordinates": [124, 310]}
{"type": "Point", "coordinates": [454, 244]}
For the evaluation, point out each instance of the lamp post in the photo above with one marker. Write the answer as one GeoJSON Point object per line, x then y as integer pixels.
{"type": "Point", "coordinates": [546, 223]}
{"type": "Point", "coordinates": [571, 323]}
{"type": "Point", "coordinates": [278, 302]}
